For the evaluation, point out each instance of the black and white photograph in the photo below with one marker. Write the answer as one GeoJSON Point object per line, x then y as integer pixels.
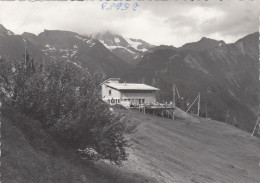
{"type": "Point", "coordinates": [130, 91]}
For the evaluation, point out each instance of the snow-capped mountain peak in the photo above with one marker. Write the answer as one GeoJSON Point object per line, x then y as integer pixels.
{"type": "Point", "coordinates": [128, 49]}
{"type": "Point", "coordinates": [139, 44]}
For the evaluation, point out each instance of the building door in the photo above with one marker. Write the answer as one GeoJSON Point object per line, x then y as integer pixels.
{"type": "Point", "coordinates": [132, 101]}
{"type": "Point", "coordinates": [112, 101]}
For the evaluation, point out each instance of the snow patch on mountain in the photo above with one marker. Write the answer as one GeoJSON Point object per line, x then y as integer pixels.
{"type": "Point", "coordinates": [89, 41]}
{"type": "Point", "coordinates": [120, 47]}
{"type": "Point", "coordinates": [117, 40]}
{"type": "Point", "coordinates": [74, 52]}
{"type": "Point", "coordinates": [136, 57]}
{"type": "Point", "coordinates": [49, 48]}
{"type": "Point", "coordinates": [79, 37]}
{"type": "Point", "coordinates": [116, 47]}
{"type": "Point", "coordinates": [135, 44]}
{"type": "Point", "coordinates": [60, 53]}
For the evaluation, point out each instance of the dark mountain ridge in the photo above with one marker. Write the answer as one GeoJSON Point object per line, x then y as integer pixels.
{"type": "Point", "coordinates": [203, 44]}
{"type": "Point", "coordinates": [82, 51]}
{"type": "Point", "coordinates": [226, 76]}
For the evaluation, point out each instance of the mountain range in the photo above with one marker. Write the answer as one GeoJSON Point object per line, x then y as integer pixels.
{"type": "Point", "coordinates": [83, 51]}
{"type": "Point", "coordinates": [225, 75]}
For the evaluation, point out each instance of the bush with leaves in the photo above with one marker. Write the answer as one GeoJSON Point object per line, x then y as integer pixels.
{"type": "Point", "coordinates": [65, 99]}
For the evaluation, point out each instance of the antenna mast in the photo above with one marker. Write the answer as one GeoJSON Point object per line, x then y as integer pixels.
{"type": "Point", "coordinates": [173, 100]}
{"type": "Point", "coordinates": [198, 97]}
{"type": "Point", "coordinates": [199, 104]}
{"type": "Point", "coordinates": [25, 55]}
{"type": "Point", "coordinates": [206, 110]}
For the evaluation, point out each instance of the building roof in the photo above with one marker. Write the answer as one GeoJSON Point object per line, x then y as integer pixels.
{"type": "Point", "coordinates": [130, 86]}
{"type": "Point", "coordinates": [110, 79]}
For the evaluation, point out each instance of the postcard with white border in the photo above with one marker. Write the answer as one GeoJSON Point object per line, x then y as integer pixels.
{"type": "Point", "coordinates": [140, 91]}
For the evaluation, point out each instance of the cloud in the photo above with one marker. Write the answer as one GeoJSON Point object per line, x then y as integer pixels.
{"type": "Point", "coordinates": [235, 23]}
{"type": "Point", "coordinates": [157, 22]}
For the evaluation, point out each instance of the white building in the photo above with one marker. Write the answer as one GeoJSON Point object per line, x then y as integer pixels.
{"type": "Point", "coordinates": [125, 94]}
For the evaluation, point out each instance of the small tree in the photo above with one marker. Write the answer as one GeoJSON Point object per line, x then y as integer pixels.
{"type": "Point", "coordinates": [65, 99]}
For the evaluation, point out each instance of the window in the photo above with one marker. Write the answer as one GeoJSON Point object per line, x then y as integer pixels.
{"type": "Point", "coordinates": [109, 92]}
{"type": "Point", "coordinates": [118, 101]}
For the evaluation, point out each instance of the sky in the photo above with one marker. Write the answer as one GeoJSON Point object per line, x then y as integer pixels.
{"type": "Point", "coordinates": [157, 22]}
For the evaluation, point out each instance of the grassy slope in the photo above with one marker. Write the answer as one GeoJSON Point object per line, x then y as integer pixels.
{"type": "Point", "coordinates": [182, 151]}
{"type": "Point", "coordinates": [30, 155]}
{"type": "Point", "coordinates": [163, 150]}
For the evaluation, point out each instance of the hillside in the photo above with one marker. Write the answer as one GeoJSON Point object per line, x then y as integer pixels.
{"type": "Point", "coordinates": [186, 152]}
{"type": "Point", "coordinates": [162, 151]}
{"type": "Point", "coordinates": [30, 155]}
